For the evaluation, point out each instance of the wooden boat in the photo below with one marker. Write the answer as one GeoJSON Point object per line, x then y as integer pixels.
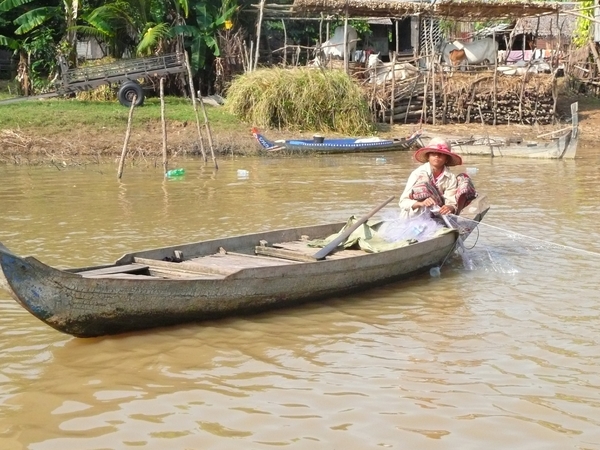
{"type": "Point", "coordinates": [319, 144]}
{"type": "Point", "coordinates": [211, 279]}
{"type": "Point", "coordinates": [562, 146]}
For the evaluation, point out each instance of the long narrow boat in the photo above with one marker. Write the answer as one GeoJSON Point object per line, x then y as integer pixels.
{"type": "Point", "coordinates": [562, 146]}
{"type": "Point", "coordinates": [319, 144]}
{"type": "Point", "coordinates": [215, 278]}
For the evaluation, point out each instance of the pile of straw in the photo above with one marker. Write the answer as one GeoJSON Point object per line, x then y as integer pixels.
{"type": "Point", "coordinates": [300, 99]}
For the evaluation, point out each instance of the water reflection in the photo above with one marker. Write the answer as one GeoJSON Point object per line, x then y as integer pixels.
{"type": "Point", "coordinates": [501, 353]}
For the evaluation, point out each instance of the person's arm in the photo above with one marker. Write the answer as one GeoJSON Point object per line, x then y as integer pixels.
{"type": "Point", "coordinates": [405, 201]}
{"type": "Point", "coordinates": [450, 195]}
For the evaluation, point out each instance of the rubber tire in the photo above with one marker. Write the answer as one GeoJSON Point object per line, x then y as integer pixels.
{"type": "Point", "coordinates": [127, 91]}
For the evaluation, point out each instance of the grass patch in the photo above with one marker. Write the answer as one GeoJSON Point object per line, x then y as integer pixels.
{"type": "Point", "coordinates": [63, 114]}
{"type": "Point", "coordinates": [300, 99]}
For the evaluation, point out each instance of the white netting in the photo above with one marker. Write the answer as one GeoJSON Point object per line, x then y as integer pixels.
{"type": "Point", "coordinates": [397, 228]}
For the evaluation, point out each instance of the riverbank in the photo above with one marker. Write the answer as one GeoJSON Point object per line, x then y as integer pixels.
{"type": "Point", "coordinates": [71, 132]}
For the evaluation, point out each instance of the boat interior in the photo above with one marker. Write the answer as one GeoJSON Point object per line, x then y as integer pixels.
{"type": "Point", "coordinates": [173, 263]}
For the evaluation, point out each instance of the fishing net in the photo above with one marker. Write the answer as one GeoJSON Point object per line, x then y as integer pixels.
{"type": "Point", "coordinates": [421, 228]}
{"type": "Point", "coordinates": [508, 252]}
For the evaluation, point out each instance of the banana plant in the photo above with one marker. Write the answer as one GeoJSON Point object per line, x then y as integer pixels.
{"type": "Point", "coordinates": [209, 17]}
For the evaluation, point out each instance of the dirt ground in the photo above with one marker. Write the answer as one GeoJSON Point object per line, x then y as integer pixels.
{"type": "Point", "coordinates": [89, 144]}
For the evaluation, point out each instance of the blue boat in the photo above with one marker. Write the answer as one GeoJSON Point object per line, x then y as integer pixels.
{"type": "Point", "coordinates": [319, 144]}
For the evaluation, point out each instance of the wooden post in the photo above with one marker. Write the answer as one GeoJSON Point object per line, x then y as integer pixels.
{"type": "Point", "coordinates": [592, 45]}
{"type": "Point", "coordinates": [164, 125]}
{"type": "Point", "coordinates": [346, 41]}
{"type": "Point", "coordinates": [445, 94]}
{"type": "Point", "coordinates": [397, 39]}
{"type": "Point", "coordinates": [496, 81]}
{"type": "Point", "coordinates": [195, 104]}
{"type": "Point", "coordinates": [432, 73]}
{"type": "Point", "coordinates": [374, 92]}
{"type": "Point", "coordinates": [127, 135]}
{"type": "Point", "coordinates": [206, 124]}
{"type": "Point", "coordinates": [321, 29]}
{"type": "Point", "coordinates": [412, 91]}
{"type": "Point", "coordinates": [251, 57]}
{"type": "Point", "coordinates": [284, 43]}
{"type": "Point", "coordinates": [393, 93]}
{"type": "Point", "coordinates": [424, 110]}
{"type": "Point", "coordinates": [258, 28]}
{"type": "Point", "coordinates": [209, 134]}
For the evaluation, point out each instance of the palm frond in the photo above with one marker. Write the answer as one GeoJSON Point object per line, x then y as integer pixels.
{"type": "Point", "coordinates": [34, 18]}
{"type": "Point", "coordinates": [152, 36]}
{"type": "Point", "coordinates": [7, 5]}
{"type": "Point", "coordinates": [8, 42]}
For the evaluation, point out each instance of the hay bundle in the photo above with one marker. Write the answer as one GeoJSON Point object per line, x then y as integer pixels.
{"type": "Point", "coordinates": [300, 99]}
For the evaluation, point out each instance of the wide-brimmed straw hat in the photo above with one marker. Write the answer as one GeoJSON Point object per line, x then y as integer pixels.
{"type": "Point", "coordinates": [438, 145]}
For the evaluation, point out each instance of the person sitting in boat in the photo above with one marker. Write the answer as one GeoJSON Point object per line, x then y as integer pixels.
{"type": "Point", "coordinates": [433, 184]}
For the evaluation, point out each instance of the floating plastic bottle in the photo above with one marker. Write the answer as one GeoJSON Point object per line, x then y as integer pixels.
{"type": "Point", "coordinates": [435, 272]}
{"type": "Point", "coordinates": [380, 160]}
{"type": "Point", "coordinates": [241, 173]}
{"type": "Point", "coordinates": [472, 170]}
{"type": "Point", "coordinates": [175, 173]}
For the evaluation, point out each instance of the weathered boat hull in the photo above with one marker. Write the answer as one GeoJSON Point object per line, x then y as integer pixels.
{"type": "Point", "coordinates": [563, 147]}
{"type": "Point", "coordinates": [84, 303]}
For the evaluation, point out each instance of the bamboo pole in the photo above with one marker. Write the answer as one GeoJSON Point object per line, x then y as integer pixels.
{"type": "Point", "coordinates": [496, 80]}
{"type": "Point", "coordinates": [251, 57]}
{"type": "Point", "coordinates": [434, 104]}
{"type": "Point", "coordinates": [346, 41]}
{"type": "Point", "coordinates": [591, 19]}
{"type": "Point", "coordinates": [321, 30]}
{"type": "Point", "coordinates": [592, 45]}
{"type": "Point", "coordinates": [410, 96]}
{"type": "Point", "coordinates": [393, 93]}
{"type": "Point", "coordinates": [164, 125]}
{"type": "Point", "coordinates": [284, 43]}
{"type": "Point", "coordinates": [206, 124]}
{"type": "Point", "coordinates": [374, 91]}
{"type": "Point", "coordinates": [127, 136]}
{"type": "Point", "coordinates": [445, 95]}
{"type": "Point", "coordinates": [397, 38]}
{"type": "Point", "coordinates": [195, 105]}
{"type": "Point", "coordinates": [258, 28]}
{"type": "Point", "coordinates": [424, 111]}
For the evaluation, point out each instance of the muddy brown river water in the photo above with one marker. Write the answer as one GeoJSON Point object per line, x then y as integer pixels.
{"type": "Point", "coordinates": [501, 351]}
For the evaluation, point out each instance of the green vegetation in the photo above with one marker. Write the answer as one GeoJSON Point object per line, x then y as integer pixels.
{"type": "Point", "coordinates": [584, 27]}
{"type": "Point", "coordinates": [300, 99]}
{"type": "Point", "coordinates": [63, 115]}
{"type": "Point", "coordinates": [39, 31]}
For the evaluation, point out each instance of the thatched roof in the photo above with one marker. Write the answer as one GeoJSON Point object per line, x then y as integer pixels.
{"type": "Point", "coordinates": [550, 25]}
{"type": "Point", "coordinates": [463, 10]}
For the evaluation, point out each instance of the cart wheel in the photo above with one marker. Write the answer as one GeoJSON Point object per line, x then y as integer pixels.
{"type": "Point", "coordinates": [128, 90]}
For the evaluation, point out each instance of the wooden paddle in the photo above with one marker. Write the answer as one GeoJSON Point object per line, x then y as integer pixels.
{"type": "Point", "coordinates": [321, 254]}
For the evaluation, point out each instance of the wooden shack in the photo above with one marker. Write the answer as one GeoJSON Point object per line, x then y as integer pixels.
{"type": "Point", "coordinates": [493, 94]}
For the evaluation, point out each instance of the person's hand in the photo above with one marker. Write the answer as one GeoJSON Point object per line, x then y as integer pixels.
{"type": "Point", "coordinates": [446, 209]}
{"type": "Point", "coordinates": [428, 202]}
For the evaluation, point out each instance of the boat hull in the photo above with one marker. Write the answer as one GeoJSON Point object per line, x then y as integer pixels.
{"type": "Point", "coordinates": [92, 307]}
{"type": "Point", "coordinates": [74, 303]}
{"type": "Point", "coordinates": [564, 146]}
{"type": "Point", "coordinates": [342, 145]}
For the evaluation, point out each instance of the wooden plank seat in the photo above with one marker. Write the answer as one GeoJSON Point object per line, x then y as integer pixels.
{"type": "Point", "coordinates": [215, 266]}
{"type": "Point", "coordinates": [302, 248]}
{"type": "Point", "coordinates": [112, 270]}
{"type": "Point", "coordinates": [130, 276]}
